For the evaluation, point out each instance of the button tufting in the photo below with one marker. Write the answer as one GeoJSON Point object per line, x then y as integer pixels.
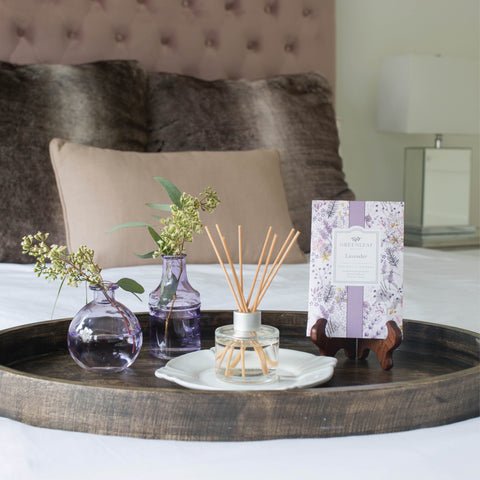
{"type": "Point", "coordinates": [122, 30]}
{"type": "Point", "coordinates": [271, 7]}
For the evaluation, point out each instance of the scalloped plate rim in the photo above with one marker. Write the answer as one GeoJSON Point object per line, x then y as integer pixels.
{"type": "Point", "coordinates": [290, 377]}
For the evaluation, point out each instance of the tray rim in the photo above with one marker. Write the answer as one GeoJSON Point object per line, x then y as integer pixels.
{"type": "Point", "coordinates": [179, 414]}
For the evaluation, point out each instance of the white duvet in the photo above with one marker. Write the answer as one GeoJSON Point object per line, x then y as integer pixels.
{"type": "Point", "coordinates": [440, 286]}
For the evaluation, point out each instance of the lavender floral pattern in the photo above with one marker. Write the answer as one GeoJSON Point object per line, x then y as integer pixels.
{"type": "Point", "coordinates": [381, 302]}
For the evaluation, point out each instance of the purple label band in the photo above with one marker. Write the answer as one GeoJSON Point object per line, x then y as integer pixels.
{"type": "Point", "coordinates": [355, 294]}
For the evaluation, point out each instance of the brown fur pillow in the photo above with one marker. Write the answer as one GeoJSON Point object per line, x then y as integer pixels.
{"type": "Point", "coordinates": [101, 104]}
{"type": "Point", "coordinates": [290, 113]}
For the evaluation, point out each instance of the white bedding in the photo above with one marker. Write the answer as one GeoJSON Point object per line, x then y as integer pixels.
{"type": "Point", "coordinates": [441, 287]}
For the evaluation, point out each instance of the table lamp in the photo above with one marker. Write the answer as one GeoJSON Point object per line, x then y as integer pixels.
{"type": "Point", "coordinates": [433, 94]}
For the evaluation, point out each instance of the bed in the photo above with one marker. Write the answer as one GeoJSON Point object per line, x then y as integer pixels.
{"type": "Point", "coordinates": [201, 38]}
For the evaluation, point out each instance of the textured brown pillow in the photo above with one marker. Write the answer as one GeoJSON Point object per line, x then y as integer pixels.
{"type": "Point", "coordinates": [102, 188]}
{"type": "Point", "coordinates": [291, 113]}
{"type": "Point", "coordinates": [100, 104]}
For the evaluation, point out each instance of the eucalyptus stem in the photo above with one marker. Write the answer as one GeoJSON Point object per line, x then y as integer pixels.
{"type": "Point", "coordinates": [169, 314]}
{"type": "Point", "coordinates": [115, 305]}
{"type": "Point", "coordinates": [170, 311]}
{"type": "Point", "coordinates": [101, 285]}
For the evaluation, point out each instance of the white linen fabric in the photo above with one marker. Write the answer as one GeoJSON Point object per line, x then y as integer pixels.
{"type": "Point", "coordinates": [440, 286]}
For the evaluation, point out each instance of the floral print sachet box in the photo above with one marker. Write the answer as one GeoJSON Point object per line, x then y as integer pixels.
{"type": "Point", "coordinates": [356, 267]}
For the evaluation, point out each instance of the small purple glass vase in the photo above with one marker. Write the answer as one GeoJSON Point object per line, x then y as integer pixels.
{"type": "Point", "coordinates": [174, 312]}
{"type": "Point", "coordinates": [104, 335]}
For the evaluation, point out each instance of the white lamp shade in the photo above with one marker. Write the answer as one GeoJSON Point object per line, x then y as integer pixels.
{"type": "Point", "coordinates": [429, 94]}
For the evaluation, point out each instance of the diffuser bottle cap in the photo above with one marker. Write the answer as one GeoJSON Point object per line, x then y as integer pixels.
{"type": "Point", "coordinates": [247, 322]}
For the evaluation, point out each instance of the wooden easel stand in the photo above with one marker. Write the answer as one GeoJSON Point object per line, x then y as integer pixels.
{"type": "Point", "coordinates": [358, 348]}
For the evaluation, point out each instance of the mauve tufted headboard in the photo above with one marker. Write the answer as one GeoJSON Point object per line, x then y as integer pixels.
{"type": "Point", "coordinates": [204, 38]}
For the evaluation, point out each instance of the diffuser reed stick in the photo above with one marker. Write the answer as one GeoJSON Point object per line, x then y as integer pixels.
{"type": "Point", "coordinates": [265, 270]}
{"type": "Point", "coordinates": [260, 260]}
{"type": "Point", "coordinates": [240, 255]}
{"type": "Point", "coordinates": [220, 261]}
{"type": "Point", "coordinates": [232, 267]}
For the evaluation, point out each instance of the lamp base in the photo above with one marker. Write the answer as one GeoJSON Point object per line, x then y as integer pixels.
{"type": "Point", "coordinates": [469, 238]}
{"type": "Point", "coordinates": [437, 197]}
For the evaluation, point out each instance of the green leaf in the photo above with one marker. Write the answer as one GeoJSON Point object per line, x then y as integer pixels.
{"type": "Point", "coordinates": [160, 206]}
{"type": "Point", "coordinates": [145, 255]}
{"type": "Point", "coordinates": [168, 292]}
{"type": "Point", "coordinates": [153, 233]}
{"type": "Point", "coordinates": [128, 225]}
{"type": "Point", "coordinates": [173, 192]}
{"type": "Point", "coordinates": [130, 285]}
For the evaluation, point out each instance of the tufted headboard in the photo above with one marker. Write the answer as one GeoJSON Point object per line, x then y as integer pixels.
{"type": "Point", "coordinates": [203, 38]}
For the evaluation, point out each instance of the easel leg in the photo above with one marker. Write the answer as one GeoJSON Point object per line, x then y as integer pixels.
{"type": "Point", "coordinates": [330, 346]}
{"type": "Point", "coordinates": [383, 349]}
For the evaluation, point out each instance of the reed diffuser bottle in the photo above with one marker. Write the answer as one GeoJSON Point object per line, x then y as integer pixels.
{"type": "Point", "coordinates": [247, 351]}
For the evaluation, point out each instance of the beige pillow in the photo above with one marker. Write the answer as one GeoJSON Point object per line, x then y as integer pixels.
{"type": "Point", "coordinates": [101, 188]}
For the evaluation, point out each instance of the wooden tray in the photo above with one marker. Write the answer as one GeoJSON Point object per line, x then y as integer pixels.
{"type": "Point", "coordinates": [435, 380]}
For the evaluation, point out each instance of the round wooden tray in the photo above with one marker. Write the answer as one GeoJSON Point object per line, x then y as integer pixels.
{"type": "Point", "coordinates": [435, 380]}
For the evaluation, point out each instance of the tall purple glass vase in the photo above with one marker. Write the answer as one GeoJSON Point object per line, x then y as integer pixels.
{"type": "Point", "coordinates": [174, 312]}
{"type": "Point", "coordinates": [104, 335]}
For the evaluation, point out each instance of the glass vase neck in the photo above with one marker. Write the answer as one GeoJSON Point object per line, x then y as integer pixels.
{"type": "Point", "coordinates": [175, 285]}
{"type": "Point", "coordinates": [100, 292]}
{"type": "Point", "coordinates": [176, 264]}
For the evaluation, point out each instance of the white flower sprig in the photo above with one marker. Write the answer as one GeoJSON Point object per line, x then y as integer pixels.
{"type": "Point", "coordinates": [53, 262]}
{"type": "Point", "coordinates": [184, 222]}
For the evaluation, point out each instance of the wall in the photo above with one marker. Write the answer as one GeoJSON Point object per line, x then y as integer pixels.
{"type": "Point", "coordinates": [367, 32]}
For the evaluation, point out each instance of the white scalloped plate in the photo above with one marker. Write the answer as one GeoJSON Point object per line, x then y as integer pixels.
{"type": "Point", "coordinates": [296, 370]}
